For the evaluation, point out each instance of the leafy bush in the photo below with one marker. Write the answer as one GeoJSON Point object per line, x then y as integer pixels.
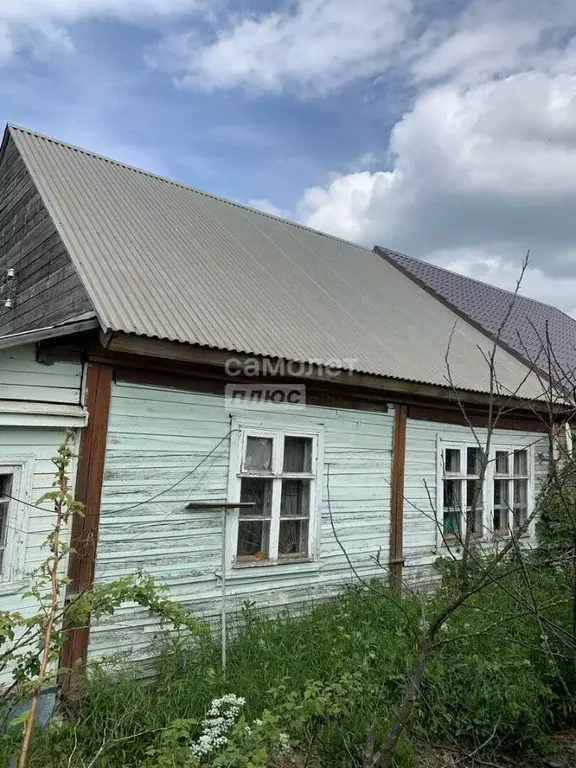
{"type": "Point", "coordinates": [330, 675]}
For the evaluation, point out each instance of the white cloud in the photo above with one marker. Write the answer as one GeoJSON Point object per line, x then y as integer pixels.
{"type": "Point", "coordinates": [42, 25]}
{"type": "Point", "coordinates": [482, 167]}
{"type": "Point", "coordinates": [314, 46]}
{"type": "Point", "coordinates": [267, 207]}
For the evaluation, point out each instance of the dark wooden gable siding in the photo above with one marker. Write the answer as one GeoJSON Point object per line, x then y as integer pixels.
{"type": "Point", "coordinates": [47, 288]}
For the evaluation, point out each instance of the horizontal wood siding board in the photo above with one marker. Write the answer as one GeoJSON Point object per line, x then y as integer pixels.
{"type": "Point", "coordinates": [22, 377]}
{"type": "Point", "coordinates": [158, 435]}
{"type": "Point", "coordinates": [48, 288]}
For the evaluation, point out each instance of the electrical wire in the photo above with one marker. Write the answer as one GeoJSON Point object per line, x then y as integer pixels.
{"type": "Point", "coordinates": [140, 503]}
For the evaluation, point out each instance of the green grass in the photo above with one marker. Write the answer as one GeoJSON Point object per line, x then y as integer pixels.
{"type": "Point", "coordinates": [489, 681]}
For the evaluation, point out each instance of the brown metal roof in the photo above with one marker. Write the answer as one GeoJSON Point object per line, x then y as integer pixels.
{"type": "Point", "coordinates": [537, 333]}
{"type": "Point", "coordinates": [160, 259]}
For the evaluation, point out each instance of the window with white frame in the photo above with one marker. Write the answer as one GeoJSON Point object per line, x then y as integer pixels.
{"type": "Point", "coordinates": [9, 534]}
{"type": "Point", "coordinates": [511, 489]}
{"type": "Point", "coordinates": [499, 502]}
{"type": "Point", "coordinates": [463, 494]}
{"type": "Point", "coordinates": [277, 475]}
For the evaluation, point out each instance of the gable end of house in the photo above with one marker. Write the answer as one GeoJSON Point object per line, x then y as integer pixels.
{"type": "Point", "coordinates": [39, 285]}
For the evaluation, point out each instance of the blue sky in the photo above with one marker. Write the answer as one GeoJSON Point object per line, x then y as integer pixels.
{"type": "Point", "coordinates": [108, 96]}
{"type": "Point", "coordinates": [445, 129]}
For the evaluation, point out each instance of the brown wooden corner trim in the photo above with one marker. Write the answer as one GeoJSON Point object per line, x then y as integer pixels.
{"type": "Point", "coordinates": [396, 555]}
{"type": "Point", "coordinates": [84, 536]}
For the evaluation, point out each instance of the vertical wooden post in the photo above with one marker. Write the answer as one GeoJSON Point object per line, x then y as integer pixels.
{"type": "Point", "coordinates": [396, 558]}
{"type": "Point", "coordinates": [84, 536]}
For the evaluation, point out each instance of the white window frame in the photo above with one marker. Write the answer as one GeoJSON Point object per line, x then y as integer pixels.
{"type": "Point", "coordinates": [530, 485]}
{"type": "Point", "coordinates": [14, 553]}
{"type": "Point", "coordinates": [442, 539]}
{"type": "Point", "coordinates": [463, 478]}
{"type": "Point", "coordinates": [237, 453]}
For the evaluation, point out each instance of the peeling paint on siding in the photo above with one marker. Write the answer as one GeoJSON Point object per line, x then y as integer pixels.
{"type": "Point", "coordinates": [22, 378]}
{"type": "Point", "coordinates": [156, 436]}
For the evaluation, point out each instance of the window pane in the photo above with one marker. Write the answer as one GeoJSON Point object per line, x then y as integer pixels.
{"type": "Point", "coordinates": [501, 492]}
{"type": "Point", "coordinates": [257, 491]}
{"type": "Point", "coordinates": [253, 539]}
{"type": "Point", "coordinates": [5, 491]}
{"type": "Point", "coordinates": [473, 461]}
{"type": "Point", "coordinates": [293, 538]}
{"type": "Point", "coordinates": [520, 516]}
{"type": "Point", "coordinates": [452, 460]}
{"type": "Point", "coordinates": [451, 521]}
{"type": "Point", "coordinates": [295, 499]}
{"type": "Point", "coordinates": [501, 463]}
{"type": "Point", "coordinates": [474, 487]}
{"type": "Point", "coordinates": [520, 492]}
{"type": "Point", "coordinates": [5, 486]}
{"type": "Point", "coordinates": [520, 462]}
{"type": "Point", "coordinates": [297, 454]}
{"type": "Point", "coordinates": [258, 454]}
{"type": "Point", "coordinates": [471, 486]}
{"type": "Point", "coordinates": [452, 495]}
{"type": "Point", "coordinates": [3, 523]}
{"type": "Point", "coordinates": [500, 519]}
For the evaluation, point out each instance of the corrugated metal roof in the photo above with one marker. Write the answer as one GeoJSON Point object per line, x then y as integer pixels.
{"type": "Point", "coordinates": [526, 326]}
{"type": "Point", "coordinates": [163, 260]}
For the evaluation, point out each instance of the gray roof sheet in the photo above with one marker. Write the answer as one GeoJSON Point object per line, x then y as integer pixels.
{"type": "Point", "coordinates": [538, 333]}
{"type": "Point", "coordinates": [160, 259]}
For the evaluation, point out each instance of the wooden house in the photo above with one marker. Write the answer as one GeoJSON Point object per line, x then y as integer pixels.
{"type": "Point", "coordinates": [209, 355]}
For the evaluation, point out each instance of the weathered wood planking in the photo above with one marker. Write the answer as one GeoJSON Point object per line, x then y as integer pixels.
{"type": "Point", "coordinates": [23, 378]}
{"type": "Point", "coordinates": [48, 287]}
{"type": "Point", "coordinates": [156, 436]}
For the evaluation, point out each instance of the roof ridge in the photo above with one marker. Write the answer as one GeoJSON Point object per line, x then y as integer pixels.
{"type": "Point", "coordinates": [474, 280]}
{"type": "Point", "coordinates": [167, 180]}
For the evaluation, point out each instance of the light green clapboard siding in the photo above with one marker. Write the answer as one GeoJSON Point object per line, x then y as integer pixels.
{"type": "Point", "coordinates": [157, 436]}
{"type": "Point", "coordinates": [421, 477]}
{"type": "Point", "coordinates": [23, 378]}
{"type": "Point", "coordinates": [37, 446]}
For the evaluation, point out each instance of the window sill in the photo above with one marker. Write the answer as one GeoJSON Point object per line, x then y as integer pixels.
{"type": "Point", "coordinates": [452, 540]}
{"type": "Point", "coordinates": [241, 571]}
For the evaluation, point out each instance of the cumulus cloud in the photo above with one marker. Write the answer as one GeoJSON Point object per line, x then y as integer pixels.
{"type": "Point", "coordinates": [313, 45]}
{"type": "Point", "coordinates": [482, 167]}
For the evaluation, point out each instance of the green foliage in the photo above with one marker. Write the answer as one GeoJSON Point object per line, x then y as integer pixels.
{"type": "Point", "coordinates": [556, 526]}
{"type": "Point", "coordinates": [328, 676]}
{"type": "Point", "coordinates": [498, 680]}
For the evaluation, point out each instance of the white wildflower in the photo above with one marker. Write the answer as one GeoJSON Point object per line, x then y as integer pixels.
{"type": "Point", "coordinates": [221, 717]}
{"type": "Point", "coordinates": [283, 743]}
